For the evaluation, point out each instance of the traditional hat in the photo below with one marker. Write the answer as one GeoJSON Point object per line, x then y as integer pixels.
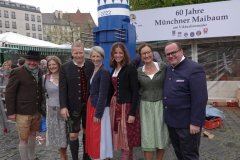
{"type": "Point", "coordinates": [35, 55]}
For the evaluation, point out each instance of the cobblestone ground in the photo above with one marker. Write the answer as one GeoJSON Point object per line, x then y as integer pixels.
{"type": "Point", "coordinates": [224, 146]}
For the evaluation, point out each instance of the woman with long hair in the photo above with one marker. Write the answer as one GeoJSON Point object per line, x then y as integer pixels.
{"type": "Point", "coordinates": [56, 127]}
{"type": "Point", "coordinates": [124, 111]}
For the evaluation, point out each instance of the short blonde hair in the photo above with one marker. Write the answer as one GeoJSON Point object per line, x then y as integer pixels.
{"type": "Point", "coordinates": [77, 44]}
{"type": "Point", "coordinates": [97, 49]}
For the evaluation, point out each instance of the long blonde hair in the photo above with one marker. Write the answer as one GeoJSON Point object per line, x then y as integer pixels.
{"type": "Point", "coordinates": [55, 59]}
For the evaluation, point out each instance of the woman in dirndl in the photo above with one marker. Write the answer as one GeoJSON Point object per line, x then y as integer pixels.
{"type": "Point", "coordinates": [56, 127]}
{"type": "Point", "coordinates": [98, 127]}
{"type": "Point", "coordinates": [154, 131]}
{"type": "Point", "coordinates": [124, 112]}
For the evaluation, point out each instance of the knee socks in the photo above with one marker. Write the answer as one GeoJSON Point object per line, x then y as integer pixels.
{"type": "Point", "coordinates": [31, 148]}
{"type": "Point", "coordinates": [23, 150]}
{"type": "Point", "coordinates": [74, 147]}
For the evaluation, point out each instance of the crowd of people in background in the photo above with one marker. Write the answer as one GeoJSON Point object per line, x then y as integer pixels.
{"type": "Point", "coordinates": [145, 103]}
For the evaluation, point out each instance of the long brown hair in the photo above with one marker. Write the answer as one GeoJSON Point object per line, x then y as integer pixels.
{"type": "Point", "coordinates": [126, 59]}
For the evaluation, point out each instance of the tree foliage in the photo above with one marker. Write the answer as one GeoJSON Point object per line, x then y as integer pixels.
{"type": "Point", "coordinates": [149, 4]}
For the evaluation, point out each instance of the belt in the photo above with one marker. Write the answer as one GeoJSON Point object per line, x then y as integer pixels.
{"type": "Point", "coordinates": [54, 108]}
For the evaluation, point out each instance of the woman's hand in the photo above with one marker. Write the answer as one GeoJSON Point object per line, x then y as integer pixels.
{"type": "Point", "coordinates": [96, 120]}
{"type": "Point", "coordinates": [131, 119]}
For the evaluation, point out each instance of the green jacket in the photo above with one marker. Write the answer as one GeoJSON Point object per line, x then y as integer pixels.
{"type": "Point", "coordinates": [151, 89]}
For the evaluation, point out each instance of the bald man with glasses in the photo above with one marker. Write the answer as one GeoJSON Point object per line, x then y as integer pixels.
{"type": "Point", "coordinates": [185, 99]}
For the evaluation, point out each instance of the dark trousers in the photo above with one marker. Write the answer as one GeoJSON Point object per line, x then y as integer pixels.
{"type": "Point", "coordinates": [73, 126]}
{"type": "Point", "coordinates": [186, 145]}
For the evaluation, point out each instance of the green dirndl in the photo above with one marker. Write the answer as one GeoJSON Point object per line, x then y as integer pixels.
{"type": "Point", "coordinates": [154, 131]}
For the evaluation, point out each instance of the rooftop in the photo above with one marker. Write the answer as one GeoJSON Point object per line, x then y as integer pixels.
{"type": "Point", "coordinates": [19, 6]}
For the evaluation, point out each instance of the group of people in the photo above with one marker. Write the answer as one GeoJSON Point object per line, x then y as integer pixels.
{"type": "Point", "coordinates": [150, 106]}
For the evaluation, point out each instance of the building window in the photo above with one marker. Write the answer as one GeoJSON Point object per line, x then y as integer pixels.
{"type": "Point", "coordinates": [14, 25]}
{"type": "Point", "coordinates": [26, 17]}
{"type": "Point", "coordinates": [39, 28]}
{"type": "Point", "coordinates": [38, 18]}
{"type": "Point", "coordinates": [6, 24]}
{"type": "Point", "coordinates": [28, 34]}
{"type": "Point", "coordinates": [34, 35]}
{"type": "Point", "coordinates": [13, 4]}
{"type": "Point", "coordinates": [33, 18]}
{"type": "Point", "coordinates": [32, 8]}
{"type": "Point", "coordinates": [27, 26]}
{"type": "Point", "coordinates": [0, 23]}
{"type": "Point", "coordinates": [48, 38]}
{"type": "Point", "coordinates": [13, 15]}
{"type": "Point", "coordinates": [0, 13]}
{"type": "Point", "coordinates": [33, 27]}
{"type": "Point", "coordinates": [6, 14]}
{"type": "Point", "coordinates": [40, 36]}
{"type": "Point", "coordinates": [23, 6]}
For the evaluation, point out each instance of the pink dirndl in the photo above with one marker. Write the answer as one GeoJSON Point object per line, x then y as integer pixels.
{"type": "Point", "coordinates": [125, 135]}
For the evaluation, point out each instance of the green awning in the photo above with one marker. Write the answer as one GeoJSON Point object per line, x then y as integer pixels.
{"type": "Point", "coordinates": [44, 51]}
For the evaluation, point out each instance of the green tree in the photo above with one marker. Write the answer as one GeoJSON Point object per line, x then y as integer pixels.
{"type": "Point", "coordinates": [149, 4]}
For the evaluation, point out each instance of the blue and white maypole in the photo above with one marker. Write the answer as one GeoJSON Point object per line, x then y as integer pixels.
{"type": "Point", "coordinates": [114, 26]}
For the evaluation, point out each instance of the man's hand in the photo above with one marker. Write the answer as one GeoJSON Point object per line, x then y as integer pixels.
{"type": "Point", "coordinates": [65, 113]}
{"type": "Point", "coordinates": [12, 117]}
{"type": "Point", "coordinates": [131, 119]}
{"type": "Point", "coordinates": [194, 129]}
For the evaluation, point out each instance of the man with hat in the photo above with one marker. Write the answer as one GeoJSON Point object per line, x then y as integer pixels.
{"type": "Point", "coordinates": [23, 100]}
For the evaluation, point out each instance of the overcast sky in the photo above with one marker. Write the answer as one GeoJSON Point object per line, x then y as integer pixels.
{"type": "Point", "coordinates": [70, 6]}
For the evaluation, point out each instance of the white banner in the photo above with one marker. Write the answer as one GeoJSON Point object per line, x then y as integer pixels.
{"type": "Point", "coordinates": [217, 19]}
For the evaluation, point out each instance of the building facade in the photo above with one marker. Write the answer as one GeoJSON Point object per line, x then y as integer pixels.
{"type": "Point", "coordinates": [20, 18]}
{"type": "Point", "coordinates": [65, 28]}
{"type": "Point", "coordinates": [56, 27]}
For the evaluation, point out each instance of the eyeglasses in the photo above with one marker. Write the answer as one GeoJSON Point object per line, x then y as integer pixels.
{"type": "Point", "coordinates": [147, 52]}
{"type": "Point", "coordinates": [173, 53]}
